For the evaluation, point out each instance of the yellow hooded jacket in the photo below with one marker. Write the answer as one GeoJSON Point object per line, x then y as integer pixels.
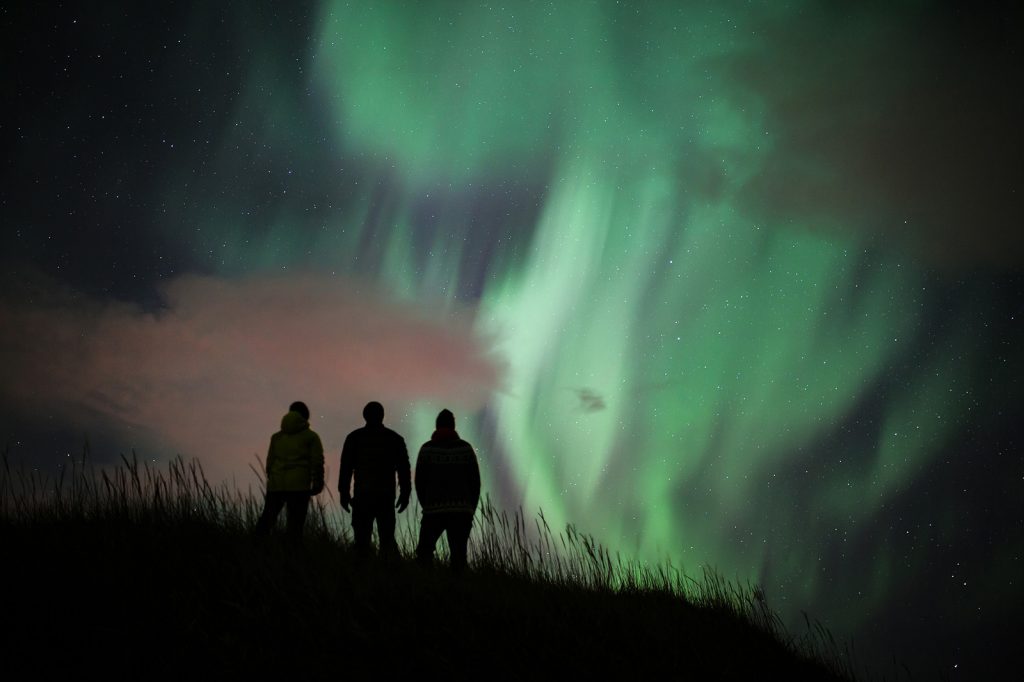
{"type": "Point", "coordinates": [295, 460]}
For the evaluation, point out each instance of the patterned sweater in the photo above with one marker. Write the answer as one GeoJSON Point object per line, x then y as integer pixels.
{"type": "Point", "coordinates": [447, 474]}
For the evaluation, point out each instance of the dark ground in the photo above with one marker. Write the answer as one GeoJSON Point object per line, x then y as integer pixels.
{"type": "Point", "coordinates": [130, 600]}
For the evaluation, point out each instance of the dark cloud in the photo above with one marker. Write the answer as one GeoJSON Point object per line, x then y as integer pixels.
{"type": "Point", "coordinates": [903, 121]}
{"type": "Point", "coordinates": [590, 400]}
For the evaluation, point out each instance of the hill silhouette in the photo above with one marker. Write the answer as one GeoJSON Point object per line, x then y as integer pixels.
{"type": "Point", "coordinates": [145, 572]}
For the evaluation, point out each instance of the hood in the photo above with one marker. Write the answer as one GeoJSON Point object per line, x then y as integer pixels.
{"type": "Point", "coordinates": [293, 422]}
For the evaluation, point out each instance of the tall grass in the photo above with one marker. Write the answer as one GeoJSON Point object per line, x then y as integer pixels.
{"type": "Point", "coordinates": [178, 496]}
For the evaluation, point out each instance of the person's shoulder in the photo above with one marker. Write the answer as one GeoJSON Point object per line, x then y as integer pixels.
{"type": "Point", "coordinates": [428, 447]}
{"type": "Point", "coordinates": [394, 435]}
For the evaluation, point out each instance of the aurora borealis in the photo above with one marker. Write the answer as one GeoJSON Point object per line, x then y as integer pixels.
{"type": "Point", "coordinates": [731, 285]}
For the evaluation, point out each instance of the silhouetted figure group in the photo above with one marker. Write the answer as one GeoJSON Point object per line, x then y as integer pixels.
{"type": "Point", "coordinates": [373, 458]}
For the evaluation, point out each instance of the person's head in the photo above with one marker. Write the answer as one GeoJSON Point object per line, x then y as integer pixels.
{"type": "Point", "coordinates": [300, 407]}
{"type": "Point", "coordinates": [445, 420]}
{"type": "Point", "coordinates": [373, 413]}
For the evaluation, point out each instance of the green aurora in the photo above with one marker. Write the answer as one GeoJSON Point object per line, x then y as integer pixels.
{"type": "Point", "coordinates": [725, 345]}
{"type": "Point", "coordinates": [718, 348]}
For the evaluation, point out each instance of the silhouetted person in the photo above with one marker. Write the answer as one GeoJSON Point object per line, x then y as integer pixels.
{"type": "Point", "coordinates": [448, 487]}
{"type": "Point", "coordinates": [374, 455]}
{"type": "Point", "coordinates": [295, 471]}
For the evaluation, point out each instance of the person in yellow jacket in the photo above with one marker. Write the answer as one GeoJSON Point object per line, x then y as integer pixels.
{"type": "Point", "coordinates": [295, 471]}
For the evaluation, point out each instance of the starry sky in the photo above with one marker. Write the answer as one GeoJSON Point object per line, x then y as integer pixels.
{"type": "Point", "coordinates": [730, 284]}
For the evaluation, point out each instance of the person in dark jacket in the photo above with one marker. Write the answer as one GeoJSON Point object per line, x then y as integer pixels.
{"type": "Point", "coordinates": [374, 455]}
{"type": "Point", "coordinates": [295, 471]}
{"type": "Point", "coordinates": [448, 488]}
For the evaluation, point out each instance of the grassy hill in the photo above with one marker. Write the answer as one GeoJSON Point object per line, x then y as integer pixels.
{"type": "Point", "coordinates": [138, 572]}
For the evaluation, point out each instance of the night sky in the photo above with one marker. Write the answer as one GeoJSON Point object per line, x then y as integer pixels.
{"type": "Point", "coordinates": [732, 285]}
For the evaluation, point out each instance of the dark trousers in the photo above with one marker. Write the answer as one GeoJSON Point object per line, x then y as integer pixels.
{"type": "Point", "coordinates": [456, 524]}
{"type": "Point", "coordinates": [364, 513]}
{"type": "Point", "coordinates": [298, 505]}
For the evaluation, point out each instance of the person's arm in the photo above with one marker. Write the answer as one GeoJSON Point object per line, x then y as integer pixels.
{"type": "Point", "coordinates": [404, 482]}
{"type": "Point", "coordinates": [316, 465]}
{"type": "Point", "coordinates": [270, 458]}
{"type": "Point", "coordinates": [422, 479]}
{"type": "Point", "coordinates": [475, 478]}
{"type": "Point", "coordinates": [345, 478]}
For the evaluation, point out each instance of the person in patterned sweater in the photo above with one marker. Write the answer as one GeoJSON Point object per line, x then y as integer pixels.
{"type": "Point", "coordinates": [448, 487]}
